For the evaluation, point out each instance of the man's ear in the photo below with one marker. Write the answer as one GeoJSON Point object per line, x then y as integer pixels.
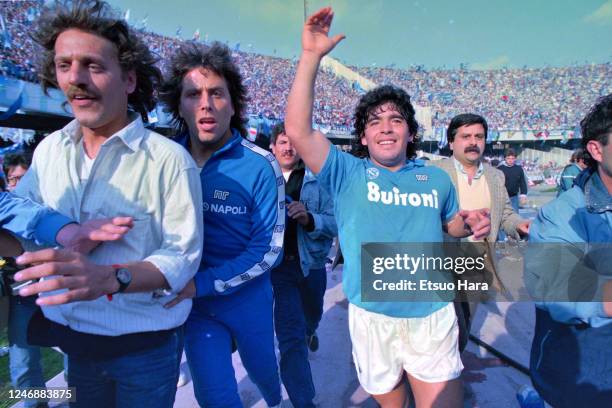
{"type": "Point", "coordinates": [131, 81]}
{"type": "Point", "coordinates": [595, 148]}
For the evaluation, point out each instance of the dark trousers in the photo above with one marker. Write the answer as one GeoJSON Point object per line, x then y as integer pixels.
{"type": "Point", "coordinates": [298, 307]}
{"type": "Point", "coordinates": [141, 379]}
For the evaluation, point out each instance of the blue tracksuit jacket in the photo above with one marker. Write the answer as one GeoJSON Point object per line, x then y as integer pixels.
{"type": "Point", "coordinates": [244, 221]}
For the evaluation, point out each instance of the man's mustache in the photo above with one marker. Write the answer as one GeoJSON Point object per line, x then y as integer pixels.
{"type": "Point", "coordinates": [72, 91]}
{"type": "Point", "coordinates": [474, 149]}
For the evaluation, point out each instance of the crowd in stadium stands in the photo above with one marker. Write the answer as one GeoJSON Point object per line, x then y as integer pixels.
{"type": "Point", "coordinates": [510, 99]}
{"type": "Point", "coordinates": [268, 78]}
{"type": "Point", "coordinates": [16, 46]}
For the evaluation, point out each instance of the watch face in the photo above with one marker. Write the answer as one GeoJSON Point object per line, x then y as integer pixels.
{"type": "Point", "coordinates": [124, 276]}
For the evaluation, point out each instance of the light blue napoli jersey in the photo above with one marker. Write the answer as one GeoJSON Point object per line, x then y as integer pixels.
{"type": "Point", "coordinates": [373, 204]}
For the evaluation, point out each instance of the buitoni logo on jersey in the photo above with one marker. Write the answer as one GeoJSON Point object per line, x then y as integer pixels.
{"type": "Point", "coordinates": [396, 197]}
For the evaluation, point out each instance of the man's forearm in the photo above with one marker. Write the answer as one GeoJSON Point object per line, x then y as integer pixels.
{"type": "Point", "coordinates": [146, 277]}
{"type": "Point", "coordinates": [298, 120]}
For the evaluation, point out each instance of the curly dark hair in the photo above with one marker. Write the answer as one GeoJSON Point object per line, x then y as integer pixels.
{"type": "Point", "coordinates": [373, 100]}
{"type": "Point", "coordinates": [217, 58]}
{"type": "Point", "coordinates": [597, 125]}
{"type": "Point", "coordinates": [98, 18]}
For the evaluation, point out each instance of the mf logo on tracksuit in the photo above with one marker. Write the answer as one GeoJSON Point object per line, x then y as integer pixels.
{"type": "Point", "coordinates": [220, 195]}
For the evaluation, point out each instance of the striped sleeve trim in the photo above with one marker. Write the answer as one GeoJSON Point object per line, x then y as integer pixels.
{"type": "Point", "coordinates": [276, 242]}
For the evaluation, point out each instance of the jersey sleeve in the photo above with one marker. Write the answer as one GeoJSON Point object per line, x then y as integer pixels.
{"type": "Point", "coordinates": [449, 205]}
{"type": "Point", "coordinates": [336, 171]}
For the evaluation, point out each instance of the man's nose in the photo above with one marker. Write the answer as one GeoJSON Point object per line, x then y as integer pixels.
{"type": "Point", "coordinates": [205, 102]}
{"type": "Point", "coordinates": [385, 126]}
{"type": "Point", "coordinates": [76, 75]}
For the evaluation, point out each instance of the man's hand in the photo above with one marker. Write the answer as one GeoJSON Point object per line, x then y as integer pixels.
{"type": "Point", "coordinates": [523, 228]}
{"type": "Point", "coordinates": [297, 211]}
{"type": "Point", "coordinates": [315, 37]}
{"type": "Point", "coordinates": [84, 238]}
{"type": "Point", "coordinates": [188, 292]}
{"type": "Point", "coordinates": [478, 221]}
{"type": "Point", "coordinates": [73, 271]}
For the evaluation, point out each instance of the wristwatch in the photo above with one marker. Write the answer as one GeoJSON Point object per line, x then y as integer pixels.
{"type": "Point", "coordinates": [123, 276]}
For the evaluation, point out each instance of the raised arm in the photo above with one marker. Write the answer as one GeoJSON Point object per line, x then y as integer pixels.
{"type": "Point", "coordinates": [311, 145]}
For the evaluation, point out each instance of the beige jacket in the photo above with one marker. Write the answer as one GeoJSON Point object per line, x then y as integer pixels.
{"type": "Point", "coordinates": [502, 214]}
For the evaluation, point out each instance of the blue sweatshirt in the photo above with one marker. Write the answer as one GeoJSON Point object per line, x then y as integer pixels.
{"type": "Point", "coordinates": [30, 220]}
{"type": "Point", "coordinates": [580, 219]}
{"type": "Point", "coordinates": [244, 220]}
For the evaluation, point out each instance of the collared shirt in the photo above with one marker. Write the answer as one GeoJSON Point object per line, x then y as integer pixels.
{"type": "Point", "coordinates": [137, 173]}
{"type": "Point", "coordinates": [474, 195]}
{"type": "Point", "coordinates": [461, 170]}
{"type": "Point", "coordinates": [598, 199]}
{"type": "Point", "coordinates": [314, 243]}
